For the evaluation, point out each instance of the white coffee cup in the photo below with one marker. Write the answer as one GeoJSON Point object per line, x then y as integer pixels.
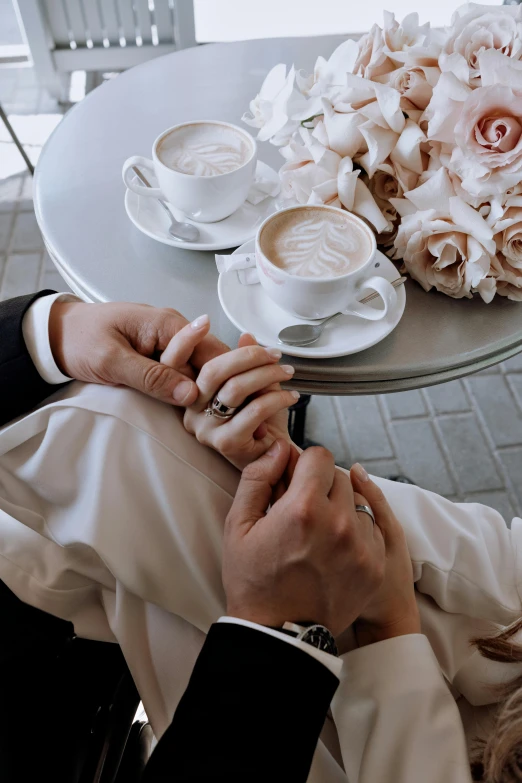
{"type": "Point", "coordinates": [203, 198]}
{"type": "Point", "coordinates": [312, 297]}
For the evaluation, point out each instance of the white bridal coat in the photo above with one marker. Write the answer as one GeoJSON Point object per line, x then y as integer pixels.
{"type": "Point", "coordinates": [111, 516]}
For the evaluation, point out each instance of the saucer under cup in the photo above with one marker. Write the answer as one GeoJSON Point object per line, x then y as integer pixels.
{"type": "Point", "coordinates": [251, 310]}
{"type": "Point", "coordinates": [151, 219]}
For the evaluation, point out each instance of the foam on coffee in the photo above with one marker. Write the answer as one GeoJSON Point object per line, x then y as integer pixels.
{"type": "Point", "coordinates": [204, 149]}
{"type": "Point", "coordinates": [314, 242]}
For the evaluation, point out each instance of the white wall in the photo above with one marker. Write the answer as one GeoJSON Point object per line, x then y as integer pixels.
{"type": "Point", "coordinates": [232, 20]}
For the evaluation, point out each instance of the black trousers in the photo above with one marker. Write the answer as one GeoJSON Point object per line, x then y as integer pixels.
{"type": "Point", "coordinates": [51, 687]}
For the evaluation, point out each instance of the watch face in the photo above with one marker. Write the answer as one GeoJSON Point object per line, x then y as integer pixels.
{"type": "Point", "coordinates": [321, 638]}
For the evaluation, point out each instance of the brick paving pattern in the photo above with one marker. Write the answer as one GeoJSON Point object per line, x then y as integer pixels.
{"type": "Point", "coordinates": [462, 439]}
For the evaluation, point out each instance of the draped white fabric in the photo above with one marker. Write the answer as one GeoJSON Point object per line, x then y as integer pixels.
{"type": "Point", "coordinates": [111, 516]}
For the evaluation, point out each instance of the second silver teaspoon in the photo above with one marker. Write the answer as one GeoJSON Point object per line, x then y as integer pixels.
{"type": "Point", "coordinates": [306, 334]}
{"type": "Point", "coordinates": [186, 232]}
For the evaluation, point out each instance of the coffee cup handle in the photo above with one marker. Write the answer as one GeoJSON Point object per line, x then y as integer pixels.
{"type": "Point", "coordinates": [129, 177]}
{"type": "Point", "coordinates": [385, 290]}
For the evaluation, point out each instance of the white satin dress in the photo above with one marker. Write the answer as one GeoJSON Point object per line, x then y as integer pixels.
{"type": "Point", "coordinates": [111, 516]}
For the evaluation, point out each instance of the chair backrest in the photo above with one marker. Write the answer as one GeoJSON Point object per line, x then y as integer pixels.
{"type": "Point", "coordinates": [97, 35]}
{"type": "Point", "coordinates": [116, 23]}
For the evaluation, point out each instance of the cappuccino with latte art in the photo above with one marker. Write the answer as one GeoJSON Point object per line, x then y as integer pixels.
{"type": "Point", "coordinates": [204, 168]}
{"type": "Point", "coordinates": [204, 149]}
{"type": "Point", "coordinates": [314, 261]}
{"type": "Point", "coordinates": [313, 242]}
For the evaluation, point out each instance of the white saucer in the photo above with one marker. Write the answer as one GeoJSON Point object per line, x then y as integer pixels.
{"type": "Point", "coordinates": [148, 215]}
{"type": "Point", "coordinates": [251, 310]}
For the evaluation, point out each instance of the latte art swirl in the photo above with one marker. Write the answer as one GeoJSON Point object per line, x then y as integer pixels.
{"type": "Point", "coordinates": [204, 149]}
{"type": "Point", "coordinates": [315, 243]}
{"type": "Point", "coordinates": [206, 159]}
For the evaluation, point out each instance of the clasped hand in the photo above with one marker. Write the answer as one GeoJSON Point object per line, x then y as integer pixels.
{"type": "Point", "coordinates": [295, 548]}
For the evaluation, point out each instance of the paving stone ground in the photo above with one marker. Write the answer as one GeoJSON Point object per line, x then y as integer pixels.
{"type": "Point", "coordinates": [462, 439]}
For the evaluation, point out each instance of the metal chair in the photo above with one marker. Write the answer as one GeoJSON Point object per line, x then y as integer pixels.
{"type": "Point", "coordinates": [10, 130]}
{"type": "Point", "coordinates": [67, 704]}
{"type": "Point", "coordinates": [100, 36]}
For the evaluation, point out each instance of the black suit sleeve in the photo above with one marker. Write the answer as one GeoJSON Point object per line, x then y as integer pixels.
{"type": "Point", "coordinates": [21, 387]}
{"type": "Point", "coordinates": [252, 712]}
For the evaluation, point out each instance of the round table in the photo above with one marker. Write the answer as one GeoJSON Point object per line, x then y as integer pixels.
{"type": "Point", "coordinates": [79, 202]}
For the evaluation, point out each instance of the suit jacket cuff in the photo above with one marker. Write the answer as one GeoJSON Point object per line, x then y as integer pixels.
{"type": "Point", "coordinates": [21, 387]}
{"type": "Point", "coordinates": [35, 328]}
{"type": "Point", "coordinates": [331, 661]}
{"type": "Point", "coordinates": [254, 708]}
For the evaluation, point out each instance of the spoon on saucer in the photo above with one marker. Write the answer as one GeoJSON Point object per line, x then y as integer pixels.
{"type": "Point", "coordinates": [306, 334]}
{"type": "Point", "coordinates": [184, 231]}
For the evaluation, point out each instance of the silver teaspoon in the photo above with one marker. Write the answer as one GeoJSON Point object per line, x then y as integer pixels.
{"type": "Point", "coordinates": [184, 231]}
{"type": "Point", "coordinates": [306, 334]}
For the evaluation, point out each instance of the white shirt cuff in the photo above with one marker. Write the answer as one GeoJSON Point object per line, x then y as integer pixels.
{"type": "Point", "coordinates": [330, 661]}
{"type": "Point", "coordinates": [35, 328]}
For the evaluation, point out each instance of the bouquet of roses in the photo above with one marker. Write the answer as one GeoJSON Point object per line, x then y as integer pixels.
{"type": "Point", "coordinates": [419, 132]}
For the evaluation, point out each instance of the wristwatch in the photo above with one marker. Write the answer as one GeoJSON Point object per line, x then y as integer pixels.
{"type": "Point", "coordinates": [312, 633]}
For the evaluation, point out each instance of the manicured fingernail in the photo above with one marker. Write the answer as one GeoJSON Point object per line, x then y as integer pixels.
{"type": "Point", "coordinates": [200, 322]}
{"type": "Point", "coordinates": [274, 448]}
{"type": "Point", "coordinates": [182, 391]}
{"type": "Point", "coordinates": [360, 472]}
{"type": "Point", "coordinates": [274, 353]}
{"type": "Point", "coordinates": [288, 369]}
{"type": "Point", "coordinates": [295, 395]}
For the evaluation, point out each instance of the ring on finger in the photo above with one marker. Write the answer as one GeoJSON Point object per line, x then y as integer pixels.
{"type": "Point", "coordinates": [365, 510]}
{"type": "Point", "coordinates": [220, 410]}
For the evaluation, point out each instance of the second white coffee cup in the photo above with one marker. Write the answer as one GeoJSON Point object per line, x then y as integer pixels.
{"type": "Point", "coordinates": [313, 261]}
{"type": "Point", "coordinates": [217, 179]}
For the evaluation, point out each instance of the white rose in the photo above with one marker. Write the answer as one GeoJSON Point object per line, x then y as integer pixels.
{"type": "Point", "coordinates": [314, 174]}
{"type": "Point", "coordinates": [402, 39]}
{"type": "Point", "coordinates": [371, 60]}
{"type": "Point", "coordinates": [449, 252]}
{"type": "Point", "coordinates": [278, 108]}
{"type": "Point", "coordinates": [364, 122]}
{"type": "Point", "coordinates": [390, 182]}
{"type": "Point", "coordinates": [476, 29]}
{"type": "Point", "coordinates": [383, 49]}
{"type": "Point", "coordinates": [415, 84]}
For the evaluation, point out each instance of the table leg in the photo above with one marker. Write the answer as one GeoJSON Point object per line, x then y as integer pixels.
{"type": "Point", "coordinates": [297, 420]}
{"type": "Point", "coordinates": [297, 430]}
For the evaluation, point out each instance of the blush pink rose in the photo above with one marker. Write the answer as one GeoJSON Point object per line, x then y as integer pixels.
{"type": "Point", "coordinates": [488, 135]}
{"type": "Point", "coordinates": [441, 253]}
{"type": "Point", "coordinates": [508, 278]}
{"type": "Point", "coordinates": [477, 28]}
{"type": "Point", "coordinates": [507, 228]}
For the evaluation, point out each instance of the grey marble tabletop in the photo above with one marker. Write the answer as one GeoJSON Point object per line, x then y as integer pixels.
{"type": "Point", "coordinates": [79, 201]}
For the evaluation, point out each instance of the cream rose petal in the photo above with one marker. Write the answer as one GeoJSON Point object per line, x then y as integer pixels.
{"type": "Point", "coordinates": [464, 215]}
{"type": "Point", "coordinates": [364, 205]}
{"type": "Point", "coordinates": [389, 101]}
{"type": "Point", "coordinates": [380, 143]}
{"type": "Point", "coordinates": [433, 194]}
{"type": "Point", "coordinates": [407, 151]}
{"type": "Point", "coordinates": [343, 130]}
{"type": "Point", "coordinates": [497, 68]}
{"type": "Point", "coordinates": [445, 107]}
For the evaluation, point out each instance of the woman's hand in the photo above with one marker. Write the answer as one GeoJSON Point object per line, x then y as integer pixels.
{"type": "Point", "coordinates": [393, 609]}
{"type": "Point", "coordinates": [248, 378]}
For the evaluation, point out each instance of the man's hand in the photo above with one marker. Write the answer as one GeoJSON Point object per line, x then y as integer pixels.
{"type": "Point", "coordinates": [310, 557]}
{"type": "Point", "coordinates": [119, 344]}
